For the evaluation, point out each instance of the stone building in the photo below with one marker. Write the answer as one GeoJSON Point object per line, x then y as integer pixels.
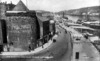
{"type": "Point", "coordinates": [10, 6]}
{"type": "Point", "coordinates": [21, 26]}
{"type": "Point", "coordinates": [21, 29]}
{"type": "Point", "coordinates": [20, 7]}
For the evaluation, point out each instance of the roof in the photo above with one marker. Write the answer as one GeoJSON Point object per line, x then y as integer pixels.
{"type": "Point", "coordinates": [15, 11]}
{"type": "Point", "coordinates": [82, 27]}
{"type": "Point", "coordinates": [73, 24]}
{"type": "Point", "coordinates": [94, 38]}
{"type": "Point", "coordinates": [42, 18]}
{"type": "Point", "coordinates": [20, 7]}
{"type": "Point", "coordinates": [89, 22]}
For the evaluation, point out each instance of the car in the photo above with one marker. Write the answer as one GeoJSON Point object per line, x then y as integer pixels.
{"type": "Point", "coordinates": [78, 39]}
{"type": "Point", "coordinates": [97, 42]}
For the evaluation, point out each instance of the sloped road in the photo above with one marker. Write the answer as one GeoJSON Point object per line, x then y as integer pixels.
{"type": "Point", "coordinates": [61, 50]}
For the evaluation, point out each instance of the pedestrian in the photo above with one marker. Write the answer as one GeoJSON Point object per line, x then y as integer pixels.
{"type": "Point", "coordinates": [47, 38]}
{"type": "Point", "coordinates": [8, 47]}
{"type": "Point", "coordinates": [29, 47]}
{"type": "Point", "coordinates": [65, 31]}
{"type": "Point", "coordinates": [42, 40]}
{"type": "Point", "coordinates": [86, 36]}
{"type": "Point", "coordinates": [50, 36]}
{"type": "Point", "coordinates": [38, 42]}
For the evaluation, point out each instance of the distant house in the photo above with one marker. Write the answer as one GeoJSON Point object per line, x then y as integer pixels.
{"type": "Point", "coordinates": [84, 14]}
{"type": "Point", "coordinates": [10, 6]}
{"type": "Point", "coordinates": [20, 7]}
{"type": "Point", "coordinates": [94, 14]}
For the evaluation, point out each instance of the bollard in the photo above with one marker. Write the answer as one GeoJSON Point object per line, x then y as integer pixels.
{"type": "Point", "coordinates": [54, 40]}
{"type": "Point", "coordinates": [77, 55]}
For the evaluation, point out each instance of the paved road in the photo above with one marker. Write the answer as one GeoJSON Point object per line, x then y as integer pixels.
{"type": "Point", "coordinates": [61, 50]}
{"type": "Point", "coordinates": [91, 53]}
{"type": "Point", "coordinates": [86, 50]}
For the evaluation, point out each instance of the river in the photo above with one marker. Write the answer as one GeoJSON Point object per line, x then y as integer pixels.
{"type": "Point", "coordinates": [75, 18]}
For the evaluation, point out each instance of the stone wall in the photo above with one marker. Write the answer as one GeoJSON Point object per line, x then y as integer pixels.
{"type": "Point", "coordinates": [21, 30]}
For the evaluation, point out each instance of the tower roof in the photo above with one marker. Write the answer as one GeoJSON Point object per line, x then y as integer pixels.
{"type": "Point", "coordinates": [20, 7]}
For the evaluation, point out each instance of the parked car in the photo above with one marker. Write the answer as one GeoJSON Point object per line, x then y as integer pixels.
{"type": "Point", "coordinates": [97, 42]}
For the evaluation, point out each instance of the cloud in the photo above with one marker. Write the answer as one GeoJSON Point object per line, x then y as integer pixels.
{"type": "Point", "coordinates": [57, 5]}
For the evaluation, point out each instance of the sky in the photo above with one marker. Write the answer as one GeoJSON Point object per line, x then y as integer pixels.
{"type": "Point", "coordinates": [56, 5]}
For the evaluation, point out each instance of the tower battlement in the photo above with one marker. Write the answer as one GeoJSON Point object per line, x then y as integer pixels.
{"type": "Point", "coordinates": [4, 6]}
{"type": "Point", "coordinates": [2, 2]}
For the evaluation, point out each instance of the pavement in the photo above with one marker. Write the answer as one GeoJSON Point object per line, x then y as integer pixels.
{"type": "Point", "coordinates": [61, 50]}
{"type": "Point", "coordinates": [46, 45]}
{"type": "Point", "coordinates": [64, 49]}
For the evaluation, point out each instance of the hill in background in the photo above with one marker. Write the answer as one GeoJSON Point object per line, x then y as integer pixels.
{"type": "Point", "coordinates": [94, 10]}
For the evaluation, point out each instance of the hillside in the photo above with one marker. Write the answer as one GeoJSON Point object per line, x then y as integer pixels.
{"type": "Point", "coordinates": [80, 11]}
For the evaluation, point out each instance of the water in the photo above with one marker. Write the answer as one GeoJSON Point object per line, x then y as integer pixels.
{"type": "Point", "coordinates": [75, 18]}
